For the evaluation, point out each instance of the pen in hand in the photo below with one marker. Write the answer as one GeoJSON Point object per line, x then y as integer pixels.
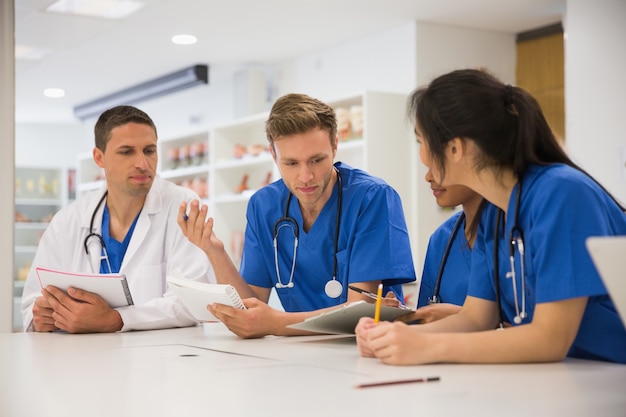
{"type": "Point", "coordinates": [188, 208]}
{"type": "Point", "coordinates": [379, 299]}
{"type": "Point", "coordinates": [374, 296]}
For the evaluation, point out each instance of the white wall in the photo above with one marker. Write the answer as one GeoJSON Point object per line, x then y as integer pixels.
{"type": "Point", "coordinates": [441, 49]}
{"type": "Point", "coordinates": [595, 89]}
{"type": "Point", "coordinates": [383, 62]}
{"type": "Point", "coordinates": [51, 145]}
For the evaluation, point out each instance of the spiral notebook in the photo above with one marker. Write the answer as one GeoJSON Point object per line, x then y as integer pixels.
{"type": "Point", "coordinates": [113, 288]}
{"type": "Point", "coordinates": [197, 295]}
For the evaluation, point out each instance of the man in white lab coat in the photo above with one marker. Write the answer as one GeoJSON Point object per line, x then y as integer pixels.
{"type": "Point", "coordinates": [134, 215]}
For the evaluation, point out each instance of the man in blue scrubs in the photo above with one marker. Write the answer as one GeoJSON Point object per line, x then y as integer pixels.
{"type": "Point", "coordinates": [324, 225]}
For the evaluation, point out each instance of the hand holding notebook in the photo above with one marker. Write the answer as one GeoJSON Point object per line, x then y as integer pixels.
{"type": "Point", "coordinates": [197, 295]}
{"type": "Point", "coordinates": [113, 288]}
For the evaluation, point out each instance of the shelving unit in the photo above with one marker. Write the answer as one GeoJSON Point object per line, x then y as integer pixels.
{"type": "Point", "coordinates": [185, 161]}
{"type": "Point", "coordinates": [39, 194]}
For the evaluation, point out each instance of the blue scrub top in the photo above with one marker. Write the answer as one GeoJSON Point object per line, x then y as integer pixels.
{"type": "Point", "coordinates": [455, 278]}
{"type": "Point", "coordinates": [115, 250]}
{"type": "Point", "coordinates": [373, 242]}
{"type": "Point", "coordinates": [560, 207]}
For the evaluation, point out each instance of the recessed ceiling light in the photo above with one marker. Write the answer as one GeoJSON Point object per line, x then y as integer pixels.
{"type": "Point", "coordinates": [108, 9]}
{"type": "Point", "coordinates": [184, 39]}
{"type": "Point", "coordinates": [54, 92]}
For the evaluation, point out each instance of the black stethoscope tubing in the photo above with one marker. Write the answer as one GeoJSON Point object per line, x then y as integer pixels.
{"type": "Point", "coordinates": [435, 298]}
{"type": "Point", "coordinates": [512, 240]}
{"type": "Point", "coordinates": [294, 223]}
{"type": "Point", "coordinates": [94, 235]}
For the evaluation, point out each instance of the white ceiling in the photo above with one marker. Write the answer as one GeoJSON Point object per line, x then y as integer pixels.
{"type": "Point", "coordinates": [91, 57]}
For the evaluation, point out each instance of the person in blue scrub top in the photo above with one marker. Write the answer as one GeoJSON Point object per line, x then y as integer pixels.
{"type": "Point", "coordinates": [322, 226]}
{"type": "Point", "coordinates": [530, 266]}
{"type": "Point", "coordinates": [448, 260]}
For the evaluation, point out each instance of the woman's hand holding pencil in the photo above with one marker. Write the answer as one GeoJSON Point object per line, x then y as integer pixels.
{"type": "Point", "coordinates": [379, 300]}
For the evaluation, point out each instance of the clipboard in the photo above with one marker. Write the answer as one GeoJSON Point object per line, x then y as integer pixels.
{"type": "Point", "coordinates": [113, 288]}
{"type": "Point", "coordinates": [344, 319]}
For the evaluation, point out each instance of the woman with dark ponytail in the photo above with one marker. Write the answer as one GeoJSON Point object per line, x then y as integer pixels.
{"type": "Point", "coordinates": [530, 266]}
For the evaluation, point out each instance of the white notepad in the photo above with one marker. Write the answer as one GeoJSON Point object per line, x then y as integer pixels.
{"type": "Point", "coordinates": [197, 295]}
{"type": "Point", "coordinates": [344, 319]}
{"type": "Point", "coordinates": [113, 288]}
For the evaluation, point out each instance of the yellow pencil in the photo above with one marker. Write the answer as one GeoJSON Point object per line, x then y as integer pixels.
{"type": "Point", "coordinates": [379, 300]}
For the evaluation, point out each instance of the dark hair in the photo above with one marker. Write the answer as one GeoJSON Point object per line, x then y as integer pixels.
{"type": "Point", "coordinates": [298, 113]}
{"type": "Point", "coordinates": [118, 116]}
{"type": "Point", "coordinates": [505, 122]}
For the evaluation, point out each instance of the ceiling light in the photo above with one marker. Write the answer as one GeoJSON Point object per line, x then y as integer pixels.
{"type": "Point", "coordinates": [171, 83]}
{"type": "Point", "coordinates": [184, 39]}
{"type": "Point", "coordinates": [108, 9]}
{"type": "Point", "coordinates": [54, 92]}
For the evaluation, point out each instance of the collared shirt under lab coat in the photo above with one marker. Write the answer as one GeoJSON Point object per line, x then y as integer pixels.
{"type": "Point", "coordinates": [157, 248]}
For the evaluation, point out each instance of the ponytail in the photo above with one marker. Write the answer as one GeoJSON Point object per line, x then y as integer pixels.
{"type": "Point", "coordinates": [505, 122]}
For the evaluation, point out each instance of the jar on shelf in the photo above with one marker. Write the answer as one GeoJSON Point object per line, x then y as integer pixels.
{"type": "Point", "coordinates": [172, 158]}
{"type": "Point", "coordinates": [239, 151]}
{"type": "Point", "coordinates": [256, 149]}
{"type": "Point", "coordinates": [197, 153]}
{"type": "Point", "coordinates": [344, 129]}
{"type": "Point", "coordinates": [184, 155]}
{"type": "Point", "coordinates": [356, 120]}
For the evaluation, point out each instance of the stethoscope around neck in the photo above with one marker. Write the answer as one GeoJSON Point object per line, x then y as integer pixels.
{"type": "Point", "coordinates": [333, 288]}
{"type": "Point", "coordinates": [516, 239]}
{"type": "Point", "coordinates": [436, 298]}
{"type": "Point", "coordinates": [97, 236]}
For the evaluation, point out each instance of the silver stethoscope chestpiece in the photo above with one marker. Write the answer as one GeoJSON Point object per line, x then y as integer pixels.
{"type": "Point", "coordinates": [333, 288]}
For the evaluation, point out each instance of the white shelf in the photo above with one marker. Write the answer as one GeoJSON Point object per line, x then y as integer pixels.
{"type": "Point", "coordinates": [31, 225]}
{"type": "Point", "coordinates": [39, 193]}
{"type": "Point", "coordinates": [89, 186]}
{"type": "Point", "coordinates": [184, 172]}
{"type": "Point", "coordinates": [242, 197]}
{"type": "Point", "coordinates": [38, 202]}
{"type": "Point", "coordinates": [245, 161]}
{"type": "Point", "coordinates": [30, 249]}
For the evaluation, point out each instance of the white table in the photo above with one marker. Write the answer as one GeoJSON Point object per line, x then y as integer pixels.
{"type": "Point", "coordinates": [207, 371]}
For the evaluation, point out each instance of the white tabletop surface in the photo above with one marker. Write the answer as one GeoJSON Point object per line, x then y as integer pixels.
{"type": "Point", "coordinates": [208, 371]}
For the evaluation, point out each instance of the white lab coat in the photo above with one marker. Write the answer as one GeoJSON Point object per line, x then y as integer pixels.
{"type": "Point", "coordinates": [157, 247]}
